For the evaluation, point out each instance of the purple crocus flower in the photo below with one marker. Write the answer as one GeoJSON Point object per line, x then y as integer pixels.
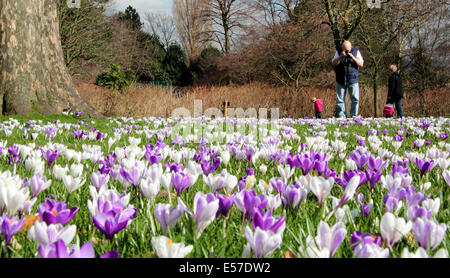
{"type": "Point", "coordinates": [419, 212]}
{"type": "Point", "coordinates": [59, 250]}
{"type": "Point", "coordinates": [376, 164]}
{"type": "Point", "coordinates": [330, 173]}
{"type": "Point", "coordinates": [180, 182]}
{"type": "Point", "coordinates": [268, 222]}
{"type": "Point", "coordinates": [134, 177]}
{"type": "Point", "coordinates": [51, 132]}
{"type": "Point", "coordinates": [249, 152]}
{"type": "Point", "coordinates": [428, 233]}
{"type": "Point", "coordinates": [49, 156]}
{"type": "Point", "coordinates": [247, 202]}
{"type": "Point", "coordinates": [153, 156]}
{"type": "Point", "coordinates": [177, 140]}
{"type": "Point", "coordinates": [414, 198]}
{"type": "Point", "coordinates": [365, 209]}
{"type": "Point", "coordinates": [225, 204]}
{"type": "Point", "coordinates": [100, 136]}
{"type": "Point", "coordinates": [424, 166]}
{"type": "Point", "coordinates": [37, 184]}
{"type": "Point", "coordinates": [443, 135]}
{"type": "Point", "coordinates": [278, 185]}
{"type": "Point", "coordinates": [56, 212]}
{"type": "Point", "coordinates": [398, 138]}
{"type": "Point", "coordinates": [358, 238]}
{"type": "Point", "coordinates": [98, 180]}
{"type": "Point", "coordinates": [209, 167]}
{"type": "Point", "coordinates": [168, 217]}
{"type": "Point", "coordinates": [78, 133]}
{"type": "Point", "coordinates": [360, 158]}
{"type": "Point", "coordinates": [373, 177]}
{"type": "Point", "coordinates": [113, 254]}
{"type": "Point", "coordinates": [10, 226]}
{"type": "Point", "coordinates": [293, 196]}
{"type": "Point", "coordinates": [112, 221]}
{"type": "Point", "coordinates": [306, 165]}
{"type": "Point", "coordinates": [320, 166]}
{"type": "Point", "coordinates": [250, 171]}
{"type": "Point", "coordinates": [398, 169]}
{"type": "Point", "coordinates": [105, 165]}
{"type": "Point", "coordinates": [14, 154]}
{"type": "Point", "coordinates": [348, 175]}
{"type": "Point", "coordinates": [174, 167]}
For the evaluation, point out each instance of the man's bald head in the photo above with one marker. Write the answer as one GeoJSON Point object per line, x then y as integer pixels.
{"type": "Point", "coordinates": [347, 45]}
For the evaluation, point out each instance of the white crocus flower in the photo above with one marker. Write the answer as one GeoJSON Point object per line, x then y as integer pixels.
{"type": "Point", "coordinates": [264, 187]}
{"type": "Point", "coordinates": [433, 205]}
{"type": "Point", "coordinates": [394, 228]}
{"type": "Point", "coordinates": [321, 187]}
{"type": "Point", "coordinates": [76, 170]}
{"type": "Point", "coordinates": [285, 172]}
{"type": "Point", "coordinates": [166, 181]}
{"type": "Point", "coordinates": [45, 234]}
{"type": "Point", "coordinates": [150, 188]}
{"type": "Point", "coordinates": [263, 169]}
{"type": "Point", "coordinates": [165, 248]}
{"type": "Point", "coordinates": [72, 183]}
{"type": "Point", "coordinates": [13, 196]}
{"type": "Point", "coordinates": [59, 172]}
{"type": "Point", "coordinates": [35, 164]}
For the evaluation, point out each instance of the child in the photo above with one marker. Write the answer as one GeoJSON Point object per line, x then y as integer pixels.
{"type": "Point", "coordinates": [317, 107]}
{"type": "Point", "coordinates": [388, 110]}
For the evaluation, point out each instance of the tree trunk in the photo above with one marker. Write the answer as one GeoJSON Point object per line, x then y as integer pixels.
{"type": "Point", "coordinates": [375, 93]}
{"type": "Point", "coordinates": [34, 77]}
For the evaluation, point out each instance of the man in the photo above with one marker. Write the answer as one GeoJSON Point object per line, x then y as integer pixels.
{"type": "Point", "coordinates": [346, 65]}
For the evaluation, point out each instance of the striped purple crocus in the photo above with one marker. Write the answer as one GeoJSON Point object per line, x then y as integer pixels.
{"type": "Point", "coordinates": [9, 226]}
{"type": "Point", "coordinates": [266, 221]}
{"type": "Point", "coordinates": [428, 233]}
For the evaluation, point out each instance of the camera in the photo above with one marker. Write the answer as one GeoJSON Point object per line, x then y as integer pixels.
{"type": "Point", "coordinates": [347, 52]}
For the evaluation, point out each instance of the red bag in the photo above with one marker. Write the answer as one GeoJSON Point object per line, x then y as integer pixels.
{"type": "Point", "coordinates": [388, 110]}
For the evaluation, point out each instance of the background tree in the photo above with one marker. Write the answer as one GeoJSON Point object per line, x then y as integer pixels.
{"type": "Point", "coordinates": [34, 76]}
{"type": "Point", "coordinates": [343, 18]}
{"type": "Point", "coordinates": [131, 16]}
{"type": "Point", "coordinates": [163, 26]}
{"type": "Point", "coordinates": [228, 18]}
{"type": "Point", "coordinates": [84, 36]}
{"type": "Point", "coordinates": [193, 30]}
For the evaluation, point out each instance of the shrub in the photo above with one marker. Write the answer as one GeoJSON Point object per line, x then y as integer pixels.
{"type": "Point", "coordinates": [115, 79]}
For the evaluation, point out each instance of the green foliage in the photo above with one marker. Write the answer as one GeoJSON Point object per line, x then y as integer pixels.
{"type": "Point", "coordinates": [116, 79]}
{"type": "Point", "coordinates": [132, 17]}
{"type": "Point", "coordinates": [174, 63]}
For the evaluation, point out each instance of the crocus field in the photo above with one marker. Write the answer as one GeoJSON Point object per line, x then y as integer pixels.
{"type": "Point", "coordinates": [229, 188]}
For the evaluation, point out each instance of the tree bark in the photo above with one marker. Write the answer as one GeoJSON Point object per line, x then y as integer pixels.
{"type": "Point", "coordinates": [34, 77]}
{"type": "Point", "coordinates": [375, 92]}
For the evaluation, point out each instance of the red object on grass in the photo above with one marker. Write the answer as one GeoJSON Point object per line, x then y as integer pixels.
{"type": "Point", "coordinates": [388, 110]}
{"type": "Point", "coordinates": [318, 105]}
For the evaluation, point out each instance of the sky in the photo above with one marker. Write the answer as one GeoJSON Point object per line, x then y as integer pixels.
{"type": "Point", "coordinates": [143, 6]}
